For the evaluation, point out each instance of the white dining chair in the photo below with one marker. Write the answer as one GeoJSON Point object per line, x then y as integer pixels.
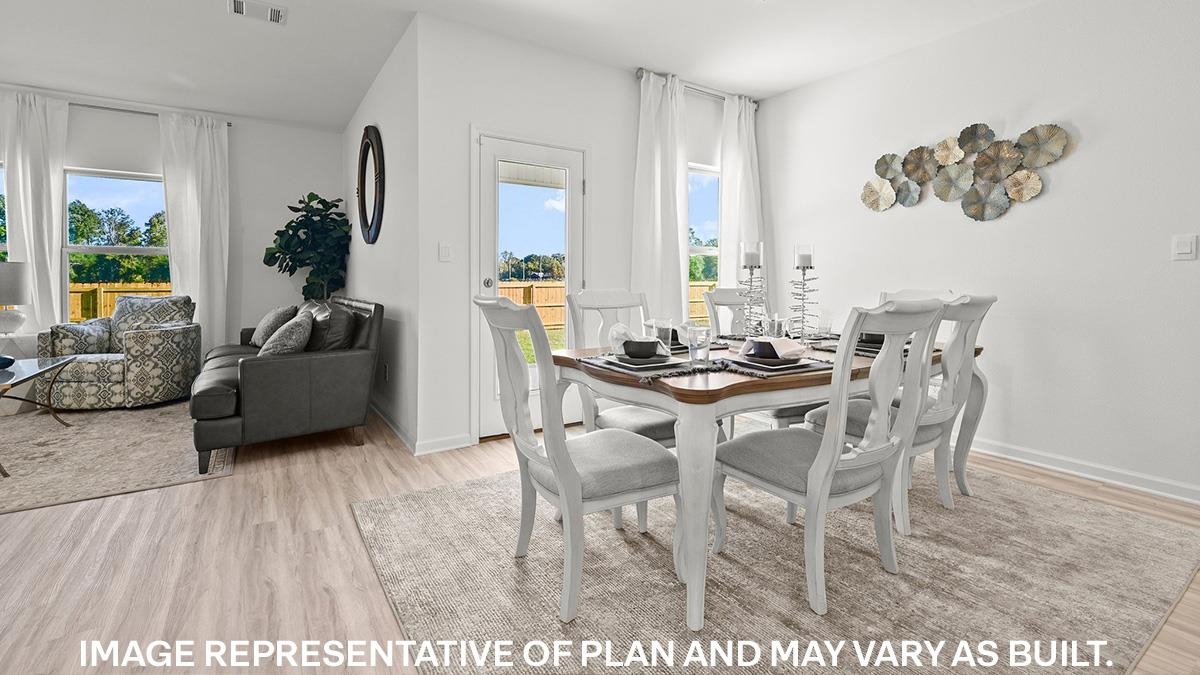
{"type": "Point", "coordinates": [940, 410]}
{"type": "Point", "coordinates": [825, 472]}
{"type": "Point", "coordinates": [732, 300]}
{"type": "Point", "coordinates": [598, 471]}
{"type": "Point", "coordinates": [656, 425]}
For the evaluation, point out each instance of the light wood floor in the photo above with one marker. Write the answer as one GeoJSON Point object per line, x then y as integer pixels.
{"type": "Point", "coordinates": [272, 552]}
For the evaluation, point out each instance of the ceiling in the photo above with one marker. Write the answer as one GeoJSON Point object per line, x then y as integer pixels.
{"type": "Point", "coordinates": [315, 70]}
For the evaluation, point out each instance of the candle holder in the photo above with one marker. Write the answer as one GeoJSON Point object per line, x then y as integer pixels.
{"type": "Point", "coordinates": [753, 289]}
{"type": "Point", "coordinates": [803, 307]}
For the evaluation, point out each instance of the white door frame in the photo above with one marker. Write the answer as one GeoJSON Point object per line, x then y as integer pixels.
{"type": "Point", "coordinates": [476, 281]}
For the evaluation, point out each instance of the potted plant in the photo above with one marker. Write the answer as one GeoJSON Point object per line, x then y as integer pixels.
{"type": "Point", "coordinates": [318, 238]}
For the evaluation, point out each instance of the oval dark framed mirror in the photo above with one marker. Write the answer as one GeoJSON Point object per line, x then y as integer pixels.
{"type": "Point", "coordinates": [370, 150]}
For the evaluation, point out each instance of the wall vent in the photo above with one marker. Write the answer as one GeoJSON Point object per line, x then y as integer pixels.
{"type": "Point", "coordinates": [258, 10]}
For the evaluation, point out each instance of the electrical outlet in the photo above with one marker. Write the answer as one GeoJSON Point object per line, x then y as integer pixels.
{"type": "Point", "coordinates": [387, 374]}
{"type": "Point", "coordinates": [1184, 247]}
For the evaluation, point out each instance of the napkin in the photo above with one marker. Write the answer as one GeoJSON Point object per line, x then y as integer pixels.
{"type": "Point", "coordinates": [784, 347]}
{"type": "Point", "coordinates": [619, 333]}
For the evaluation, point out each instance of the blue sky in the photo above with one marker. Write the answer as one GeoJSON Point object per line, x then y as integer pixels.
{"type": "Point", "coordinates": [704, 203]}
{"type": "Point", "coordinates": [532, 220]}
{"type": "Point", "coordinates": [139, 198]}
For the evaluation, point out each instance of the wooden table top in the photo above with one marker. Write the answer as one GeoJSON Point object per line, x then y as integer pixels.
{"type": "Point", "coordinates": [704, 388]}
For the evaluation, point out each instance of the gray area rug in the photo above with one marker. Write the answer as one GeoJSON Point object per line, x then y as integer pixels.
{"type": "Point", "coordinates": [1014, 562]}
{"type": "Point", "coordinates": [104, 453]}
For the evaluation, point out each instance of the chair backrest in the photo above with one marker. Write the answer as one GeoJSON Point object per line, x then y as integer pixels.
{"type": "Point", "coordinates": [965, 314]}
{"type": "Point", "coordinates": [608, 303]}
{"type": "Point", "coordinates": [731, 299]}
{"type": "Point", "coordinates": [892, 369]}
{"type": "Point", "coordinates": [506, 319]}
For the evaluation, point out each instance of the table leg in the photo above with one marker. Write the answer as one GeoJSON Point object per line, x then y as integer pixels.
{"type": "Point", "coordinates": [972, 412]}
{"type": "Point", "coordinates": [696, 443]}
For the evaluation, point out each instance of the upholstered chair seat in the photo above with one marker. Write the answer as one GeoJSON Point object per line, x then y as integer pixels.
{"type": "Point", "coordinates": [653, 424]}
{"type": "Point", "coordinates": [612, 461]}
{"type": "Point", "coordinates": [784, 457]}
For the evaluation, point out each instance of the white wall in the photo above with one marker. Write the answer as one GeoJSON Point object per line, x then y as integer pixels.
{"type": "Point", "coordinates": [270, 167]}
{"type": "Point", "coordinates": [1091, 349]}
{"type": "Point", "coordinates": [471, 77]}
{"type": "Point", "coordinates": [387, 272]}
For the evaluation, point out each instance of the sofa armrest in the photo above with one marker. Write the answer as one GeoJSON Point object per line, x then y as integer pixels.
{"type": "Point", "coordinates": [45, 345]}
{"type": "Point", "coordinates": [161, 363]}
{"type": "Point", "coordinates": [291, 394]}
{"type": "Point", "coordinates": [245, 335]}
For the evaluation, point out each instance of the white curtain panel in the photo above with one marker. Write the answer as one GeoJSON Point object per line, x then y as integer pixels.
{"type": "Point", "coordinates": [659, 256]}
{"type": "Point", "coordinates": [34, 145]}
{"type": "Point", "coordinates": [196, 178]}
{"type": "Point", "coordinates": [741, 197]}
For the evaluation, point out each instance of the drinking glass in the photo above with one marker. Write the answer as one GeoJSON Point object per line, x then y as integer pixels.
{"type": "Point", "coordinates": [662, 330]}
{"type": "Point", "coordinates": [698, 340]}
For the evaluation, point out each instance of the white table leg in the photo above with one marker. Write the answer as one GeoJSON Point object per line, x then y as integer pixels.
{"type": "Point", "coordinates": [972, 412]}
{"type": "Point", "coordinates": [696, 440]}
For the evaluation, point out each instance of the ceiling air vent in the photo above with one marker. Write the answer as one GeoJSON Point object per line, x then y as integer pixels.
{"type": "Point", "coordinates": [258, 10]}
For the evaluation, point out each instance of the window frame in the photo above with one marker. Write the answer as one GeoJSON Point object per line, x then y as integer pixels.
{"type": "Point", "coordinates": [715, 251]}
{"type": "Point", "coordinates": [68, 248]}
{"type": "Point", "coordinates": [4, 192]}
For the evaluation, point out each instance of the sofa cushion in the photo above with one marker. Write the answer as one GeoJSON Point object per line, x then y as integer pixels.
{"type": "Point", "coordinates": [226, 350]}
{"type": "Point", "coordinates": [138, 311]}
{"type": "Point", "coordinates": [271, 322]}
{"type": "Point", "coordinates": [215, 393]}
{"type": "Point", "coordinates": [89, 337]}
{"type": "Point", "coordinates": [333, 326]}
{"type": "Point", "coordinates": [102, 368]}
{"type": "Point", "coordinates": [226, 360]}
{"type": "Point", "coordinates": [291, 338]}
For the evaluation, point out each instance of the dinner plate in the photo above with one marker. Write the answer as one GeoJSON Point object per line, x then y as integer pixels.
{"type": "Point", "coordinates": [762, 361]}
{"type": "Point", "coordinates": [801, 364]}
{"type": "Point", "coordinates": [667, 362]}
{"type": "Point", "coordinates": [633, 361]}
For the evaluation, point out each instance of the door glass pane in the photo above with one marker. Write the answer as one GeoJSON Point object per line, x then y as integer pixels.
{"type": "Point", "coordinates": [704, 218]}
{"type": "Point", "coordinates": [531, 237]}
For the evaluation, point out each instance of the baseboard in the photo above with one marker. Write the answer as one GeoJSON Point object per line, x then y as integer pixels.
{"type": "Point", "coordinates": [406, 438]}
{"type": "Point", "coordinates": [441, 444]}
{"type": "Point", "coordinates": [1162, 487]}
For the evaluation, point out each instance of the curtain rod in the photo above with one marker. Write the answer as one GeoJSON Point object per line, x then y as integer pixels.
{"type": "Point", "coordinates": [130, 111]}
{"type": "Point", "coordinates": [699, 89]}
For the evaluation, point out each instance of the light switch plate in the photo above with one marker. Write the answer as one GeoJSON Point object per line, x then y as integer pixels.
{"type": "Point", "coordinates": [1184, 247]}
{"type": "Point", "coordinates": [443, 252]}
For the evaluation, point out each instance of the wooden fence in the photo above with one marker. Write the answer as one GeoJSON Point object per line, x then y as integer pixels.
{"type": "Point", "coordinates": [89, 301]}
{"type": "Point", "coordinates": [550, 297]}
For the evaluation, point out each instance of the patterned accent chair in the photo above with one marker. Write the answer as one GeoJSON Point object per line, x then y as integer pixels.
{"type": "Point", "coordinates": [147, 352]}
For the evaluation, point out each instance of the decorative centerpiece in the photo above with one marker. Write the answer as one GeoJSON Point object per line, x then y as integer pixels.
{"type": "Point", "coordinates": [753, 289]}
{"type": "Point", "coordinates": [803, 307]}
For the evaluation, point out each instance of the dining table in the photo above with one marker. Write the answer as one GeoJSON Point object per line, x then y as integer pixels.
{"type": "Point", "coordinates": [699, 400]}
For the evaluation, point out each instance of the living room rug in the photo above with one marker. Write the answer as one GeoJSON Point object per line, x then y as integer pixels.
{"type": "Point", "coordinates": [1014, 562]}
{"type": "Point", "coordinates": [105, 452]}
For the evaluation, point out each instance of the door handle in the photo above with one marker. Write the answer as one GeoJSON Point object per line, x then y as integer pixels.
{"type": "Point", "coordinates": [487, 282]}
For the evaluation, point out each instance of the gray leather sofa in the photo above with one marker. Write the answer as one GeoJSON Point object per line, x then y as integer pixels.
{"type": "Point", "coordinates": [241, 398]}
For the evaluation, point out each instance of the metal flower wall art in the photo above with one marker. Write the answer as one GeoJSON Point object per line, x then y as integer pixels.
{"type": "Point", "coordinates": [985, 175]}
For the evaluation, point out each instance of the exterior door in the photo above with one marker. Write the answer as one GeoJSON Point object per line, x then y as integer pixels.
{"type": "Point", "coordinates": [530, 251]}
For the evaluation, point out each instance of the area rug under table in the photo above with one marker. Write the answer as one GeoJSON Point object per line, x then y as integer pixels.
{"type": "Point", "coordinates": [1014, 562]}
{"type": "Point", "coordinates": [103, 453]}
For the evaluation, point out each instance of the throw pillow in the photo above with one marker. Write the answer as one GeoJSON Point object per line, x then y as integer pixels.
{"type": "Point", "coordinates": [333, 326]}
{"type": "Point", "coordinates": [89, 337]}
{"type": "Point", "coordinates": [271, 322]}
{"type": "Point", "coordinates": [135, 310]}
{"type": "Point", "coordinates": [291, 337]}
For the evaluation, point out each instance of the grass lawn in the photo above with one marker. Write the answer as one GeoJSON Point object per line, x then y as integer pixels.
{"type": "Point", "coordinates": [558, 340]}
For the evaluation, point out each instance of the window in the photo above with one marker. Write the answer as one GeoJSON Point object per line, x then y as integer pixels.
{"type": "Point", "coordinates": [116, 241]}
{"type": "Point", "coordinates": [704, 224]}
{"type": "Point", "coordinates": [3, 220]}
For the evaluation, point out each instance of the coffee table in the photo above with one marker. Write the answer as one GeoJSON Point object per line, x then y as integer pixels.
{"type": "Point", "coordinates": [25, 370]}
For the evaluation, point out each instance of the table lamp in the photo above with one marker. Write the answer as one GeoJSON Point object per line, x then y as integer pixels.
{"type": "Point", "coordinates": [14, 290]}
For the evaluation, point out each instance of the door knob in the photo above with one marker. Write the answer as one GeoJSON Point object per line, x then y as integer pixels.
{"type": "Point", "coordinates": [487, 283]}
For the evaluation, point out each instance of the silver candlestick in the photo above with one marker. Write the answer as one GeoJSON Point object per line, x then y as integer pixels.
{"type": "Point", "coordinates": [803, 307]}
{"type": "Point", "coordinates": [753, 289]}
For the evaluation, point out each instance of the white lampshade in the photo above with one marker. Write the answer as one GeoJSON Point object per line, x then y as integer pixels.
{"type": "Point", "coordinates": [14, 283]}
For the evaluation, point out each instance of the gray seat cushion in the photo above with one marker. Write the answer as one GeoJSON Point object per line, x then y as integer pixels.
{"type": "Point", "coordinates": [647, 422]}
{"type": "Point", "coordinates": [856, 421]}
{"type": "Point", "coordinates": [215, 393]}
{"type": "Point", "coordinates": [783, 457]}
{"type": "Point", "coordinates": [792, 411]}
{"type": "Point", "coordinates": [225, 361]}
{"type": "Point", "coordinates": [612, 461]}
{"type": "Point", "coordinates": [228, 350]}
{"type": "Point", "coordinates": [106, 368]}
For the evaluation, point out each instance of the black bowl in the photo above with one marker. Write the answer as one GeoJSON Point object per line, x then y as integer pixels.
{"type": "Point", "coordinates": [640, 349]}
{"type": "Point", "coordinates": [6, 361]}
{"type": "Point", "coordinates": [762, 349]}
